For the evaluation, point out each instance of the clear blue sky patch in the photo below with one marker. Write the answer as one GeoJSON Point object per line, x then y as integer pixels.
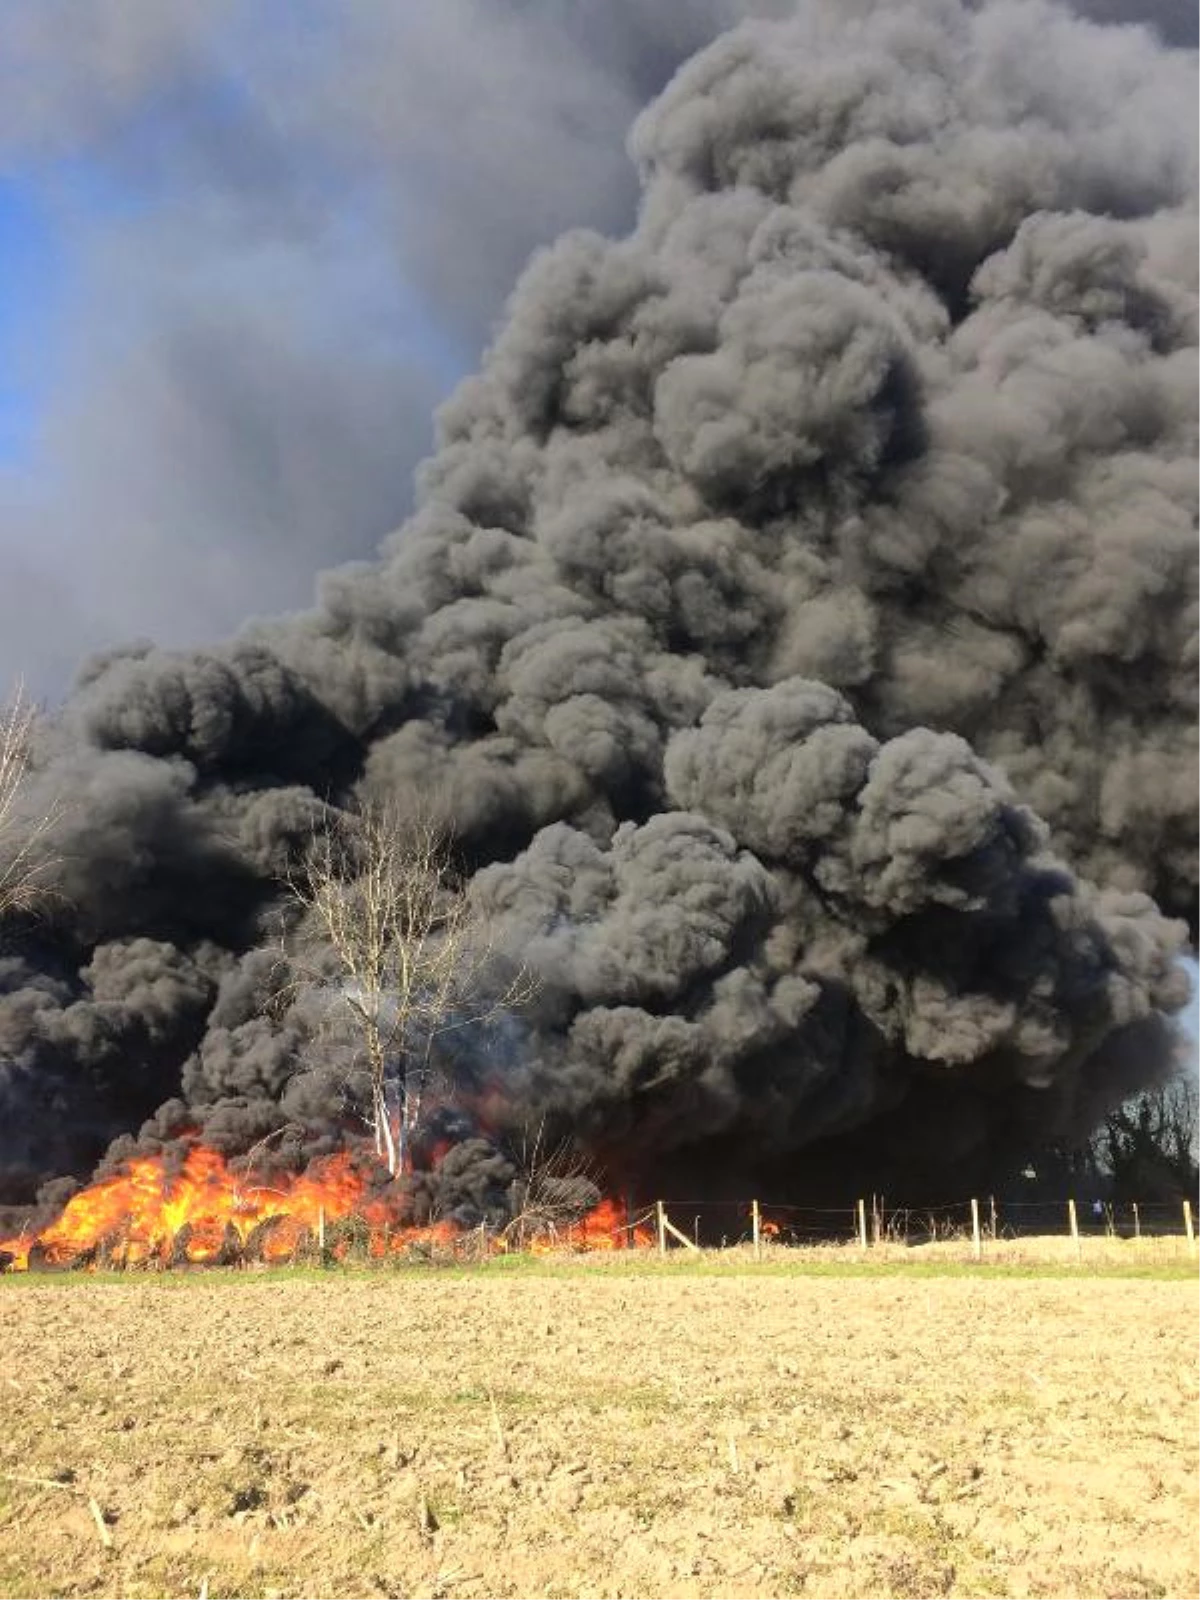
{"type": "Point", "coordinates": [31, 277]}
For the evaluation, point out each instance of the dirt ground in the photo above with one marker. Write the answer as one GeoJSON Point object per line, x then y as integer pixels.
{"type": "Point", "coordinates": [598, 1433]}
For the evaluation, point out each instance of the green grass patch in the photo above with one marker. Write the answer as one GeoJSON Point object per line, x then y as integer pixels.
{"type": "Point", "coordinates": [633, 1264]}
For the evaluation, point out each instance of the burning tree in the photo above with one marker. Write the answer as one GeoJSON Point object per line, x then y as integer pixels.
{"type": "Point", "coordinates": [389, 938]}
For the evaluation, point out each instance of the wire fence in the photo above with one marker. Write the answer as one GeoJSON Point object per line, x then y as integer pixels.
{"type": "Point", "coordinates": [871, 1223]}
{"type": "Point", "coordinates": [988, 1228]}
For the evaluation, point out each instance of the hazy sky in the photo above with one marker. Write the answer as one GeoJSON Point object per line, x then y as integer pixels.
{"type": "Point", "coordinates": [244, 250]}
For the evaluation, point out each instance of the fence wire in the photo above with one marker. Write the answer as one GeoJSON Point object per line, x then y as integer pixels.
{"type": "Point", "coordinates": [674, 1223]}
{"type": "Point", "coordinates": [718, 1222]}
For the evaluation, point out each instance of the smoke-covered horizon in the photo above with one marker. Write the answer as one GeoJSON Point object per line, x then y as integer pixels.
{"type": "Point", "coordinates": [797, 622]}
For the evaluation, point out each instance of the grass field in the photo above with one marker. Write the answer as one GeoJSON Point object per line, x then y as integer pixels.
{"type": "Point", "coordinates": [623, 1428]}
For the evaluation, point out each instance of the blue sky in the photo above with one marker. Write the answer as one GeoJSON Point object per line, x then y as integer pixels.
{"type": "Point", "coordinates": [33, 270]}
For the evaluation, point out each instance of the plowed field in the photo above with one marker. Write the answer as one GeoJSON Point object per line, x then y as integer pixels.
{"type": "Point", "coordinates": [598, 1432]}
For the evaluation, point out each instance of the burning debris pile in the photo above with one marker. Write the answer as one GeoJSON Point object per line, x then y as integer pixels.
{"type": "Point", "coordinates": [193, 1208]}
{"type": "Point", "coordinates": [797, 628]}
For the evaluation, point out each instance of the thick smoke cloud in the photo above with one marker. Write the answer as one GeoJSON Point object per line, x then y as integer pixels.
{"type": "Point", "coordinates": [797, 625]}
{"type": "Point", "coordinates": [273, 264]}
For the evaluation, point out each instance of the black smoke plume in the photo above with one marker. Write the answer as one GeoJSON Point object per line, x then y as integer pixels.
{"type": "Point", "coordinates": [798, 624]}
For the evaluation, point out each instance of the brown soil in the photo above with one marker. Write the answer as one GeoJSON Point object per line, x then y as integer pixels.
{"type": "Point", "coordinates": [598, 1434]}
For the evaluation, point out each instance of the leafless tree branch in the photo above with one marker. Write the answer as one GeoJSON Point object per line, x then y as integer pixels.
{"type": "Point", "coordinates": [556, 1187]}
{"type": "Point", "coordinates": [386, 931]}
{"type": "Point", "coordinates": [27, 860]}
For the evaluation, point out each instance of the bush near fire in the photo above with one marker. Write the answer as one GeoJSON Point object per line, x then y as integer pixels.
{"type": "Point", "coordinates": [797, 634]}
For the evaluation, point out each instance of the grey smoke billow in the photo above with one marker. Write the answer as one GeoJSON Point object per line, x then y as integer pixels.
{"type": "Point", "coordinates": [797, 622]}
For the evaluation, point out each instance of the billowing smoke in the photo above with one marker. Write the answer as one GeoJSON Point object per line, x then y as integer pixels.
{"type": "Point", "coordinates": [797, 625]}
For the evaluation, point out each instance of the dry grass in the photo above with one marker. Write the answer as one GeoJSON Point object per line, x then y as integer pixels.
{"type": "Point", "coordinates": [1092, 1251]}
{"type": "Point", "coordinates": [692, 1432]}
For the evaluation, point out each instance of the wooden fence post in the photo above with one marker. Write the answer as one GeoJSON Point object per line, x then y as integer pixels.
{"type": "Point", "coordinates": [992, 1210]}
{"type": "Point", "coordinates": [321, 1229]}
{"type": "Point", "coordinates": [1187, 1224]}
{"type": "Point", "coordinates": [661, 1216]}
{"type": "Point", "coordinates": [1073, 1221]}
{"type": "Point", "coordinates": [756, 1230]}
{"type": "Point", "coordinates": [666, 1226]}
{"type": "Point", "coordinates": [976, 1241]}
{"type": "Point", "coordinates": [862, 1224]}
{"type": "Point", "coordinates": [1137, 1224]}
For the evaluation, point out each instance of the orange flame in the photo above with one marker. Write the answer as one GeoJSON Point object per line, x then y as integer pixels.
{"type": "Point", "coordinates": [605, 1227]}
{"type": "Point", "coordinates": [204, 1212]}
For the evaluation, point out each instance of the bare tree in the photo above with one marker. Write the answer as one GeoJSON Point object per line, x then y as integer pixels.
{"type": "Point", "coordinates": [555, 1188]}
{"type": "Point", "coordinates": [26, 860]}
{"type": "Point", "coordinates": [388, 935]}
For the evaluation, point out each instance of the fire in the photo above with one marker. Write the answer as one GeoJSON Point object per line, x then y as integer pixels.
{"type": "Point", "coordinates": [605, 1227]}
{"type": "Point", "coordinates": [143, 1211]}
{"type": "Point", "coordinates": [204, 1212]}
